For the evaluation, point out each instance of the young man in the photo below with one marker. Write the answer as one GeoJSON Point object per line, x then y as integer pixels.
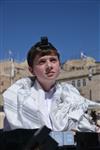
{"type": "Point", "coordinates": [33, 102]}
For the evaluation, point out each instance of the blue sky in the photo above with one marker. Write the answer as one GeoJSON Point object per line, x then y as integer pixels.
{"type": "Point", "coordinates": [73, 26]}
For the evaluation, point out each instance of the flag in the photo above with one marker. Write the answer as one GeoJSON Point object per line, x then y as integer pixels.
{"type": "Point", "coordinates": [83, 56]}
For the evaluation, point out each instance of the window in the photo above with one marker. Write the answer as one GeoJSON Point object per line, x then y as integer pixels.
{"type": "Point", "coordinates": [84, 82]}
{"type": "Point", "coordinates": [78, 83]}
{"type": "Point", "coordinates": [73, 82]}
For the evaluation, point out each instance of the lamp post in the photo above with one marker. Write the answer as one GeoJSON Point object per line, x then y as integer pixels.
{"type": "Point", "coordinates": [12, 73]}
{"type": "Point", "coordinates": [90, 75]}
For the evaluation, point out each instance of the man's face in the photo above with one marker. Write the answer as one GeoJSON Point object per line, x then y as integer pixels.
{"type": "Point", "coordinates": [46, 68]}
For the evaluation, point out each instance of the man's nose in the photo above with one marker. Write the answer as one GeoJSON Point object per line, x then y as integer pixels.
{"type": "Point", "coordinates": [49, 65]}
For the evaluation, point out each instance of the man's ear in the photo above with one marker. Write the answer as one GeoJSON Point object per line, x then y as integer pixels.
{"type": "Point", "coordinates": [31, 69]}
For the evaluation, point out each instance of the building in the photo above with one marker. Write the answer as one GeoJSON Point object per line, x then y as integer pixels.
{"type": "Point", "coordinates": [10, 72]}
{"type": "Point", "coordinates": [84, 74]}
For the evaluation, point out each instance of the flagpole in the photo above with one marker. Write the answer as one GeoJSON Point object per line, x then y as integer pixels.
{"type": "Point", "coordinates": [12, 71]}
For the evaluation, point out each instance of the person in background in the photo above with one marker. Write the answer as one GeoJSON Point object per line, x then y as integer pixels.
{"type": "Point", "coordinates": [33, 102]}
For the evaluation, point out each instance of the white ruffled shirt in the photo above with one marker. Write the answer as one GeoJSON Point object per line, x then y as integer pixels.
{"type": "Point", "coordinates": [27, 105]}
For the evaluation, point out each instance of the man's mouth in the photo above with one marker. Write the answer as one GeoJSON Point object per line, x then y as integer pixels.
{"type": "Point", "coordinates": [50, 73]}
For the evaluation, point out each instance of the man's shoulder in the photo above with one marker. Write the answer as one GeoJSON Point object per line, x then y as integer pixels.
{"type": "Point", "coordinates": [68, 87]}
{"type": "Point", "coordinates": [25, 82]}
{"type": "Point", "coordinates": [20, 85]}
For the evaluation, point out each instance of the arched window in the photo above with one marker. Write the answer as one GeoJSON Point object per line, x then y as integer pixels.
{"type": "Point", "coordinates": [84, 82]}
{"type": "Point", "coordinates": [73, 82]}
{"type": "Point", "coordinates": [78, 83]}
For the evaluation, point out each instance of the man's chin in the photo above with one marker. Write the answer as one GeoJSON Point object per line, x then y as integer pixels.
{"type": "Point", "coordinates": [51, 78]}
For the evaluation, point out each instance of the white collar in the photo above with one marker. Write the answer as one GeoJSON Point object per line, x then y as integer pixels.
{"type": "Point", "coordinates": [38, 87]}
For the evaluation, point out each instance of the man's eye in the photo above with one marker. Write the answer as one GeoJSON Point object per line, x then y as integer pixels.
{"type": "Point", "coordinates": [42, 62]}
{"type": "Point", "coordinates": [53, 60]}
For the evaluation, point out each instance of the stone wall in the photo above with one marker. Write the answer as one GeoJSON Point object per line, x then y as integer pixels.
{"type": "Point", "coordinates": [2, 115]}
